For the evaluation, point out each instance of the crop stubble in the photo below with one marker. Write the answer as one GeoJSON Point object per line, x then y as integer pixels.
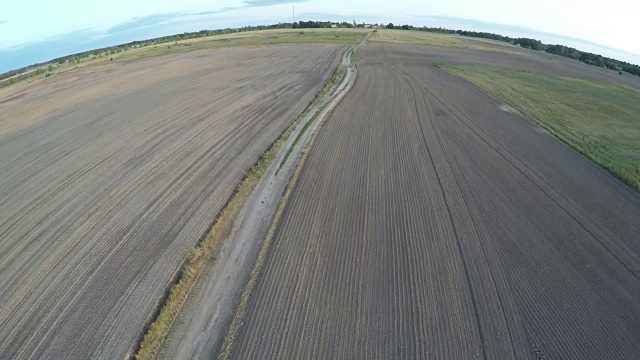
{"type": "Point", "coordinates": [103, 193]}
{"type": "Point", "coordinates": [429, 223]}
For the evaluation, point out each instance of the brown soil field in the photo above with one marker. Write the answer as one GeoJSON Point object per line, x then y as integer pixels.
{"type": "Point", "coordinates": [110, 174]}
{"type": "Point", "coordinates": [429, 223]}
{"type": "Point", "coordinates": [514, 59]}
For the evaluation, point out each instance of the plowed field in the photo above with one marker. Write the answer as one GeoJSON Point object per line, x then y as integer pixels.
{"type": "Point", "coordinates": [110, 173]}
{"type": "Point", "coordinates": [429, 223]}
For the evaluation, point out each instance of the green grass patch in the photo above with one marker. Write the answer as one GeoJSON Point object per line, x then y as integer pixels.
{"type": "Point", "coordinates": [599, 119]}
{"type": "Point", "coordinates": [434, 39]}
{"type": "Point", "coordinates": [234, 328]}
{"type": "Point", "coordinates": [336, 79]}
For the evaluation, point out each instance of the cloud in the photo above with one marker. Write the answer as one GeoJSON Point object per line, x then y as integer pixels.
{"type": "Point", "coordinates": [163, 19]}
{"type": "Point", "coordinates": [253, 3]}
{"type": "Point", "coordinates": [3, 21]}
{"type": "Point", "coordinates": [228, 8]}
{"type": "Point", "coordinates": [142, 22]}
{"type": "Point", "coordinates": [140, 28]}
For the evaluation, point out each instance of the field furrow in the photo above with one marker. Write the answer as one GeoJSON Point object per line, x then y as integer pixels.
{"type": "Point", "coordinates": [429, 223]}
{"type": "Point", "coordinates": [113, 172]}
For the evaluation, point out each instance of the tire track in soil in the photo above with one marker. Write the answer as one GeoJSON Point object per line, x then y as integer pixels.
{"type": "Point", "coordinates": [422, 227]}
{"type": "Point", "coordinates": [537, 180]}
{"type": "Point", "coordinates": [448, 207]}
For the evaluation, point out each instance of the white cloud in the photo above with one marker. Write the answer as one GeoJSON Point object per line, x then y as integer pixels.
{"type": "Point", "coordinates": [612, 25]}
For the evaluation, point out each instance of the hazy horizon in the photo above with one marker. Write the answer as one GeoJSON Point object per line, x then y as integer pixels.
{"type": "Point", "coordinates": [16, 53]}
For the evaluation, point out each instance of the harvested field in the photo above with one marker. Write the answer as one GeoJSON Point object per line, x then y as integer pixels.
{"type": "Point", "coordinates": [109, 175]}
{"type": "Point", "coordinates": [429, 223]}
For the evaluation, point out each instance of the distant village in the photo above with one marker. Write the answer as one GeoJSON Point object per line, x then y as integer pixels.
{"type": "Point", "coordinates": [363, 25]}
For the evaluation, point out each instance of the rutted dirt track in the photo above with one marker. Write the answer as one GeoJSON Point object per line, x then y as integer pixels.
{"type": "Point", "coordinates": [428, 223]}
{"type": "Point", "coordinates": [102, 194]}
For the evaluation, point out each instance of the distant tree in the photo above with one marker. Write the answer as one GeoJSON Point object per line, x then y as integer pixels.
{"type": "Point", "coordinates": [532, 44]}
{"type": "Point", "coordinates": [565, 51]}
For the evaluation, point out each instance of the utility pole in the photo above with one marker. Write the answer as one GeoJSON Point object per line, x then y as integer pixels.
{"type": "Point", "coordinates": [293, 21]}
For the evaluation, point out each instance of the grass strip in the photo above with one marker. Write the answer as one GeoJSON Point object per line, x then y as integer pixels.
{"type": "Point", "coordinates": [199, 255]}
{"type": "Point", "coordinates": [234, 328]}
{"type": "Point", "coordinates": [336, 79]}
{"type": "Point", "coordinates": [230, 339]}
{"type": "Point", "coordinates": [599, 119]}
{"type": "Point", "coordinates": [210, 245]}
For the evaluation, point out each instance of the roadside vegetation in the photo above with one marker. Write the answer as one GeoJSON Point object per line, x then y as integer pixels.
{"type": "Point", "coordinates": [237, 321]}
{"type": "Point", "coordinates": [335, 80]}
{"type": "Point", "coordinates": [209, 246]}
{"type": "Point", "coordinates": [597, 118]}
{"type": "Point", "coordinates": [201, 253]}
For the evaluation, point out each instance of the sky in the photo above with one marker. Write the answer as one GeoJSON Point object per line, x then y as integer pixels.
{"type": "Point", "coordinates": [33, 31]}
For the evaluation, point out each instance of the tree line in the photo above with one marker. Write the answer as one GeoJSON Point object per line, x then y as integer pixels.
{"type": "Point", "coordinates": [561, 50]}
{"type": "Point", "coordinates": [36, 69]}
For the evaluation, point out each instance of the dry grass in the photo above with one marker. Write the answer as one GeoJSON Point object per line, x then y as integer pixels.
{"type": "Point", "coordinates": [234, 328]}
{"type": "Point", "coordinates": [335, 80]}
{"type": "Point", "coordinates": [236, 323]}
{"type": "Point", "coordinates": [198, 257]}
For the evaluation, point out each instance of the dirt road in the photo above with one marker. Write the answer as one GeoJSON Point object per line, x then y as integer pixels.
{"type": "Point", "coordinates": [109, 174]}
{"type": "Point", "coordinates": [430, 223]}
{"type": "Point", "coordinates": [201, 327]}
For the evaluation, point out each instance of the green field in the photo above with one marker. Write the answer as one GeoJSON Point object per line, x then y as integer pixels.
{"type": "Point", "coordinates": [599, 119]}
{"type": "Point", "coordinates": [434, 39]}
